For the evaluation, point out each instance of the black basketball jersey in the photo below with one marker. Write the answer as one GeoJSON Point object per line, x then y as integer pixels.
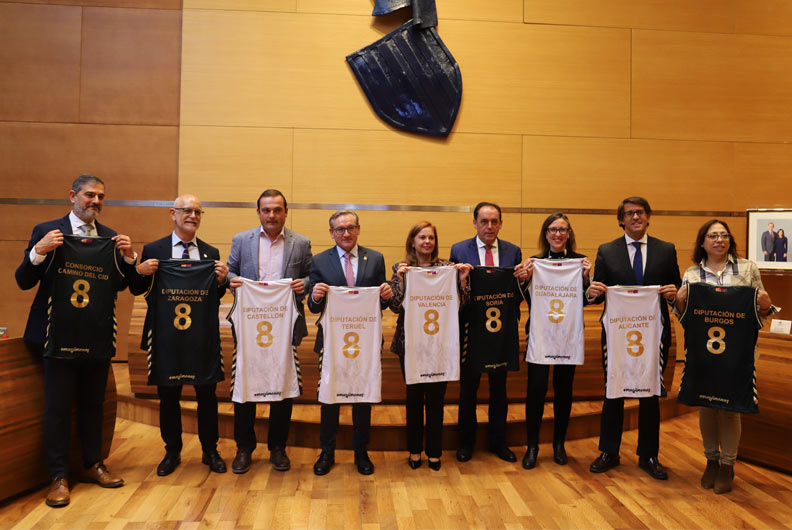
{"type": "Point", "coordinates": [721, 327]}
{"type": "Point", "coordinates": [182, 333]}
{"type": "Point", "coordinates": [85, 277]}
{"type": "Point", "coordinates": [490, 337]}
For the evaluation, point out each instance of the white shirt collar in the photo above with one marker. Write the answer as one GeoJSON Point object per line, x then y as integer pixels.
{"type": "Point", "coordinates": [630, 240]}
{"type": "Point", "coordinates": [341, 251]}
{"type": "Point", "coordinates": [76, 223]}
{"type": "Point", "coordinates": [175, 240]}
{"type": "Point", "coordinates": [265, 234]}
{"type": "Point", "coordinates": [482, 244]}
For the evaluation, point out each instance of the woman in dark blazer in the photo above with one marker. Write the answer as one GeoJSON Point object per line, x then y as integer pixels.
{"type": "Point", "coordinates": [421, 251]}
{"type": "Point", "coordinates": [781, 245]}
{"type": "Point", "coordinates": [556, 241]}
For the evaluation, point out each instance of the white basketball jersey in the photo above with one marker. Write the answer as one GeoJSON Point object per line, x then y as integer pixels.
{"type": "Point", "coordinates": [556, 326]}
{"type": "Point", "coordinates": [633, 327]}
{"type": "Point", "coordinates": [350, 365]}
{"type": "Point", "coordinates": [265, 363]}
{"type": "Point", "coordinates": [431, 325]}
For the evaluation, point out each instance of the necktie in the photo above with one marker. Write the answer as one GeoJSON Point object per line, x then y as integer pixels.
{"type": "Point", "coordinates": [488, 261]}
{"type": "Point", "coordinates": [186, 253]}
{"type": "Point", "coordinates": [638, 263]}
{"type": "Point", "coordinates": [86, 230]}
{"type": "Point", "coordinates": [350, 274]}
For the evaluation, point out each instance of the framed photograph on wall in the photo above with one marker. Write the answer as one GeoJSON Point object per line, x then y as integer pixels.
{"type": "Point", "coordinates": [769, 232]}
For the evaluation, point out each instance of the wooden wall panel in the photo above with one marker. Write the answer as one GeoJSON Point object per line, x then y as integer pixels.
{"type": "Point", "coordinates": [501, 11]}
{"type": "Point", "coordinates": [766, 17]}
{"type": "Point", "coordinates": [382, 167]}
{"type": "Point", "coordinates": [40, 60]}
{"type": "Point", "coordinates": [242, 5]}
{"type": "Point", "coordinates": [259, 69]}
{"type": "Point", "coordinates": [762, 175]}
{"type": "Point", "coordinates": [711, 87]}
{"type": "Point", "coordinates": [234, 163]}
{"type": "Point", "coordinates": [599, 172]}
{"type": "Point", "coordinates": [149, 4]}
{"type": "Point", "coordinates": [40, 160]}
{"type": "Point", "coordinates": [130, 66]}
{"type": "Point", "coordinates": [679, 15]}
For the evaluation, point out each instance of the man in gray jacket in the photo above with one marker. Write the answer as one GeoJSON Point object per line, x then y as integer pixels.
{"type": "Point", "coordinates": [269, 252]}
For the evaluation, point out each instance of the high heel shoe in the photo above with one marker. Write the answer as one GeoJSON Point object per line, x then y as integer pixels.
{"type": "Point", "coordinates": [414, 464]}
{"type": "Point", "coordinates": [435, 465]}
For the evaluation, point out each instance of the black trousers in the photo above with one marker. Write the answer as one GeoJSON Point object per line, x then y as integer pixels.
{"type": "Point", "coordinates": [470, 380]}
{"type": "Point", "coordinates": [431, 396]}
{"type": "Point", "coordinates": [563, 376]}
{"type": "Point", "coordinates": [328, 427]}
{"type": "Point", "coordinates": [170, 417]}
{"type": "Point", "coordinates": [63, 381]}
{"type": "Point", "coordinates": [279, 423]}
{"type": "Point", "coordinates": [612, 422]}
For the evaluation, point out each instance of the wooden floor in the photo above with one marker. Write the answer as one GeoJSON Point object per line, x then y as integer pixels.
{"type": "Point", "coordinates": [483, 493]}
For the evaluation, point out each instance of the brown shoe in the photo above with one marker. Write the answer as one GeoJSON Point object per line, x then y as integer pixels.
{"type": "Point", "coordinates": [58, 493]}
{"type": "Point", "coordinates": [98, 474]}
{"type": "Point", "coordinates": [723, 482]}
{"type": "Point", "coordinates": [708, 478]}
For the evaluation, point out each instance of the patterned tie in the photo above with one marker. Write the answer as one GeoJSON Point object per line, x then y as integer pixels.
{"type": "Point", "coordinates": [186, 253]}
{"type": "Point", "coordinates": [350, 274]}
{"type": "Point", "coordinates": [488, 261]}
{"type": "Point", "coordinates": [86, 229]}
{"type": "Point", "coordinates": [638, 263]}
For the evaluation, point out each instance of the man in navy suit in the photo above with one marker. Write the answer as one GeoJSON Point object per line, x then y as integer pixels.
{"type": "Point", "coordinates": [485, 249]}
{"type": "Point", "coordinates": [635, 259]}
{"type": "Point", "coordinates": [367, 268]}
{"type": "Point", "coordinates": [65, 378]}
{"type": "Point", "coordinates": [182, 243]}
{"type": "Point", "coordinates": [269, 252]}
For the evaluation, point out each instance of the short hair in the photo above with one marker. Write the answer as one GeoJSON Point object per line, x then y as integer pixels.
{"type": "Point", "coordinates": [82, 180]}
{"type": "Point", "coordinates": [544, 245]}
{"type": "Point", "coordinates": [698, 251]}
{"type": "Point", "coordinates": [410, 255]}
{"type": "Point", "coordinates": [339, 213]}
{"type": "Point", "coordinates": [481, 205]}
{"type": "Point", "coordinates": [633, 200]}
{"type": "Point", "coordinates": [271, 193]}
{"type": "Point", "coordinates": [770, 223]}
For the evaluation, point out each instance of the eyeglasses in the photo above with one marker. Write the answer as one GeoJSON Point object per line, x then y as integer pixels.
{"type": "Point", "coordinates": [633, 213]}
{"type": "Point", "coordinates": [187, 211]}
{"type": "Point", "coordinates": [554, 230]}
{"type": "Point", "coordinates": [339, 230]}
{"type": "Point", "coordinates": [715, 237]}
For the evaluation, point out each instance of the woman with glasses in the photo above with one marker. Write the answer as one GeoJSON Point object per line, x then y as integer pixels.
{"type": "Point", "coordinates": [421, 250]}
{"type": "Point", "coordinates": [716, 263]}
{"type": "Point", "coordinates": [556, 241]}
{"type": "Point", "coordinates": [781, 245]}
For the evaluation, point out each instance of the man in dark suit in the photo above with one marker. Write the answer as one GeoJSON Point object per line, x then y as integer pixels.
{"type": "Point", "coordinates": [269, 252]}
{"type": "Point", "coordinates": [65, 378]}
{"type": "Point", "coordinates": [635, 259]}
{"type": "Point", "coordinates": [768, 242]}
{"type": "Point", "coordinates": [346, 263]}
{"type": "Point", "coordinates": [186, 214]}
{"type": "Point", "coordinates": [485, 249]}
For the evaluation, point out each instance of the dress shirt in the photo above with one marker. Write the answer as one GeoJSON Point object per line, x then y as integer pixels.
{"type": "Point", "coordinates": [270, 256]}
{"type": "Point", "coordinates": [178, 249]}
{"type": "Point", "coordinates": [482, 250]}
{"type": "Point", "coordinates": [631, 249]}
{"type": "Point", "coordinates": [354, 259]}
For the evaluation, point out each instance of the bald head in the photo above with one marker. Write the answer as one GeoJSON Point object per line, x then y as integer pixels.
{"type": "Point", "coordinates": [186, 214]}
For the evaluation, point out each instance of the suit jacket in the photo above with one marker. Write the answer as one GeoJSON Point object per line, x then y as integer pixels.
{"type": "Point", "coordinates": [28, 275]}
{"type": "Point", "coordinates": [613, 267]}
{"type": "Point", "coordinates": [244, 261]}
{"type": "Point", "coordinates": [162, 249]}
{"type": "Point", "coordinates": [326, 268]}
{"type": "Point", "coordinates": [509, 255]}
{"type": "Point", "coordinates": [768, 242]}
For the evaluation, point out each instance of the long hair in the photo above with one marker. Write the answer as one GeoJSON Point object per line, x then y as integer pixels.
{"type": "Point", "coordinates": [410, 256]}
{"type": "Point", "coordinates": [544, 245]}
{"type": "Point", "coordinates": [698, 251]}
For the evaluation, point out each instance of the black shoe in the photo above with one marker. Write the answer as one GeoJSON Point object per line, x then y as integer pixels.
{"type": "Point", "coordinates": [213, 460]}
{"type": "Point", "coordinates": [168, 464]}
{"type": "Point", "coordinates": [414, 464]}
{"type": "Point", "coordinates": [529, 460]}
{"type": "Point", "coordinates": [324, 463]}
{"type": "Point", "coordinates": [504, 453]}
{"type": "Point", "coordinates": [464, 453]}
{"type": "Point", "coordinates": [652, 466]}
{"type": "Point", "coordinates": [604, 462]}
{"type": "Point", "coordinates": [364, 464]}
{"type": "Point", "coordinates": [559, 454]}
{"type": "Point", "coordinates": [241, 463]}
{"type": "Point", "coordinates": [435, 465]}
{"type": "Point", "coordinates": [279, 459]}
